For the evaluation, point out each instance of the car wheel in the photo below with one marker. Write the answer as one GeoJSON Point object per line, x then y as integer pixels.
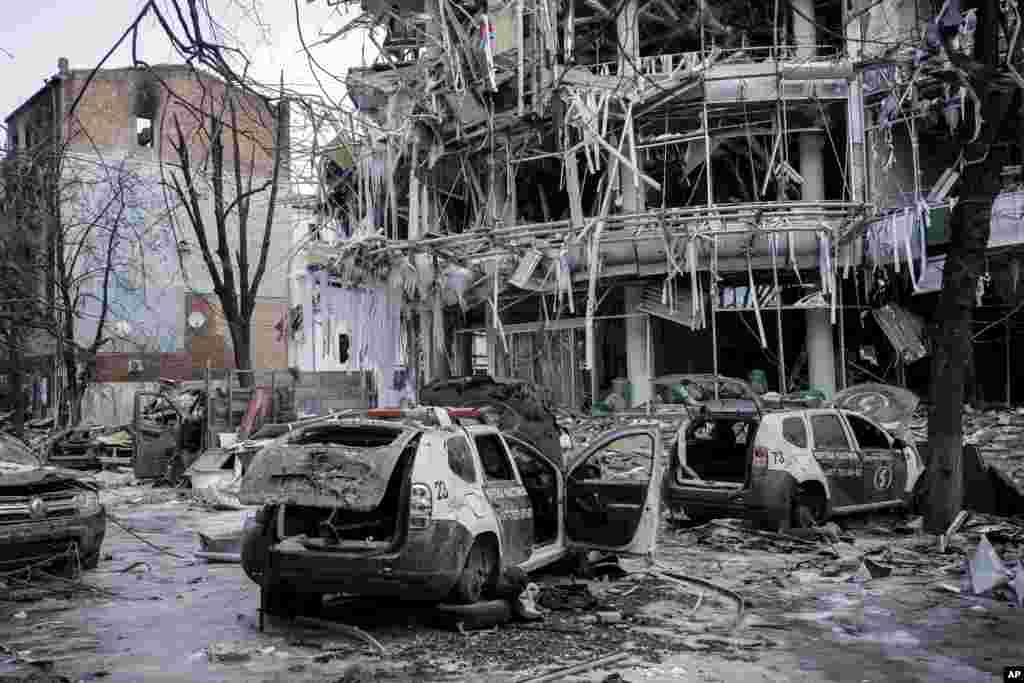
{"type": "Point", "coordinates": [282, 600]}
{"type": "Point", "coordinates": [176, 471]}
{"type": "Point", "coordinates": [478, 575]}
{"type": "Point", "coordinates": [90, 561]}
{"type": "Point", "coordinates": [808, 510]}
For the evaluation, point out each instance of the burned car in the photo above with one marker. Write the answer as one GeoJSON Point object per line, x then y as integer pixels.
{"type": "Point", "coordinates": [47, 515]}
{"type": "Point", "coordinates": [425, 504]}
{"type": "Point", "coordinates": [735, 457]}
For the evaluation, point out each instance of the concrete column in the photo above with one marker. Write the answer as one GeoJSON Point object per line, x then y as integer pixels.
{"type": "Point", "coordinates": [812, 165]}
{"type": "Point", "coordinates": [821, 354]}
{"type": "Point", "coordinates": [804, 31]}
{"type": "Point", "coordinates": [427, 368]}
{"type": "Point", "coordinates": [638, 361]}
{"type": "Point", "coordinates": [628, 28]}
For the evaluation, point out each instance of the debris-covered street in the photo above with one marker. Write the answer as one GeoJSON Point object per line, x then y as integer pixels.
{"type": "Point", "coordinates": [811, 612]}
{"type": "Point", "coordinates": [597, 341]}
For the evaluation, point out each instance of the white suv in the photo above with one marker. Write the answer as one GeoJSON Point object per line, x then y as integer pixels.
{"type": "Point", "coordinates": [432, 503]}
{"type": "Point", "coordinates": [794, 466]}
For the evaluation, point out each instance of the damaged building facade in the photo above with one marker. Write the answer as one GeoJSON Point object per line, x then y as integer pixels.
{"type": "Point", "coordinates": [163, 317]}
{"type": "Point", "coordinates": [590, 194]}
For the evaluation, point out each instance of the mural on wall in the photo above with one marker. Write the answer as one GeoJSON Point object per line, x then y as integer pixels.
{"type": "Point", "coordinates": [120, 221]}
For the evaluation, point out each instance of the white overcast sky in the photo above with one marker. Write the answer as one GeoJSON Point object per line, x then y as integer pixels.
{"type": "Point", "coordinates": [33, 35]}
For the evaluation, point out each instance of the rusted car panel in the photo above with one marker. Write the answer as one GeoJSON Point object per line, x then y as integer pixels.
{"type": "Point", "coordinates": [426, 568]}
{"type": "Point", "coordinates": [323, 474]}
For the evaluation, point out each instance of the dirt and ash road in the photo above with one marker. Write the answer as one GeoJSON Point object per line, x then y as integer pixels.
{"type": "Point", "coordinates": [876, 603]}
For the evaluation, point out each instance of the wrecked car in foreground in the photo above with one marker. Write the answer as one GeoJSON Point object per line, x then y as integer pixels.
{"type": "Point", "coordinates": [425, 505]}
{"type": "Point", "coordinates": [795, 467]}
{"type": "Point", "coordinates": [47, 515]}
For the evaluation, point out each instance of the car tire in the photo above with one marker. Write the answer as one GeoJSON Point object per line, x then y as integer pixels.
{"type": "Point", "coordinates": [90, 561]}
{"type": "Point", "coordinates": [479, 575]}
{"type": "Point", "coordinates": [176, 471]}
{"type": "Point", "coordinates": [283, 600]}
{"type": "Point", "coordinates": [808, 510]}
{"type": "Point", "coordinates": [256, 542]}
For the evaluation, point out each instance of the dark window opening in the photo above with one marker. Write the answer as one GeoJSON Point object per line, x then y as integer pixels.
{"type": "Point", "coordinates": [828, 433]}
{"type": "Point", "coordinates": [144, 130]}
{"type": "Point", "coordinates": [145, 115]}
{"type": "Point", "coordinates": [868, 435]}
{"type": "Point", "coordinates": [717, 449]}
{"type": "Point", "coordinates": [343, 346]}
{"type": "Point", "coordinates": [460, 459]}
{"type": "Point", "coordinates": [360, 437]}
{"type": "Point", "coordinates": [540, 480]}
{"type": "Point", "coordinates": [494, 458]}
{"type": "Point", "coordinates": [794, 431]}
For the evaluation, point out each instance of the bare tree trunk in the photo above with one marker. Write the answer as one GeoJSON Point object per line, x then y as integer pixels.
{"type": "Point", "coordinates": [965, 263]}
{"type": "Point", "coordinates": [241, 339]}
{"type": "Point", "coordinates": [17, 384]}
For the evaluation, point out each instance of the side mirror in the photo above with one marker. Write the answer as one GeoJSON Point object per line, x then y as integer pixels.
{"type": "Point", "coordinates": [899, 444]}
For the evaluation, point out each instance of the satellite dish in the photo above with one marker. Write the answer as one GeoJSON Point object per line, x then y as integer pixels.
{"type": "Point", "coordinates": [196, 320]}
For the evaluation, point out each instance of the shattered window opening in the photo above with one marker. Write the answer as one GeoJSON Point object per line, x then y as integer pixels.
{"type": "Point", "coordinates": [494, 458]}
{"type": "Point", "coordinates": [868, 436]}
{"type": "Point", "coordinates": [794, 431]}
{"type": "Point", "coordinates": [337, 435]}
{"type": "Point", "coordinates": [460, 460]}
{"type": "Point", "coordinates": [829, 433]}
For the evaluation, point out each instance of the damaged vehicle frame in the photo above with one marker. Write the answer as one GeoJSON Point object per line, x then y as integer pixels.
{"type": "Point", "coordinates": [739, 456]}
{"type": "Point", "coordinates": [432, 504]}
{"type": "Point", "coordinates": [48, 516]}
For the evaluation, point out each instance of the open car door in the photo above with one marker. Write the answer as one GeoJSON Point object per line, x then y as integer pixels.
{"type": "Point", "coordinates": [613, 492]}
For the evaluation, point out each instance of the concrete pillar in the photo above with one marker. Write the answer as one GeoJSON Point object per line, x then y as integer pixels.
{"type": "Point", "coordinates": [821, 354]}
{"type": "Point", "coordinates": [812, 165]}
{"type": "Point", "coordinates": [628, 28]}
{"type": "Point", "coordinates": [638, 361]}
{"type": "Point", "coordinates": [427, 368]}
{"type": "Point", "coordinates": [805, 35]}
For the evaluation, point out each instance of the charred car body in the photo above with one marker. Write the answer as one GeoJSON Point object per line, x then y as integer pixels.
{"type": "Point", "coordinates": [47, 515]}
{"type": "Point", "coordinates": [430, 504]}
{"type": "Point", "coordinates": [737, 457]}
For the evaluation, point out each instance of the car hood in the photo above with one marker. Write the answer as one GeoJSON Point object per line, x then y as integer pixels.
{"type": "Point", "coordinates": [26, 475]}
{"type": "Point", "coordinates": [321, 475]}
{"type": "Point", "coordinates": [888, 405]}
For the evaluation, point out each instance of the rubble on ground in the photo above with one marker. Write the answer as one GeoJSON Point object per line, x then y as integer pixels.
{"type": "Point", "coordinates": [997, 433]}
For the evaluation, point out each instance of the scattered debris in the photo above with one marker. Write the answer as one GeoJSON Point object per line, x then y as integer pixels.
{"type": "Point", "coordinates": [576, 668]}
{"type": "Point", "coordinates": [986, 569]}
{"type": "Point", "coordinates": [347, 629]}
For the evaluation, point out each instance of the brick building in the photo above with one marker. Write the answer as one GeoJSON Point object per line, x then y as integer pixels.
{"type": "Point", "coordinates": [123, 125]}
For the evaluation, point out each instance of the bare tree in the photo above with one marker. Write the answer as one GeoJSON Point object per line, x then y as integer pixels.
{"type": "Point", "coordinates": [97, 257]}
{"type": "Point", "coordinates": [231, 181]}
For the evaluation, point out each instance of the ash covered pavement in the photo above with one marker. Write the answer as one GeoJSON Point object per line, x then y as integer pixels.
{"type": "Point", "coordinates": [875, 602]}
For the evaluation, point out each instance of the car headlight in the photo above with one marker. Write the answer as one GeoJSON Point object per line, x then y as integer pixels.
{"type": "Point", "coordinates": [88, 503]}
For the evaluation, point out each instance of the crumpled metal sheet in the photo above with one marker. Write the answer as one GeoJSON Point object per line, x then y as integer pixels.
{"type": "Point", "coordinates": [321, 475]}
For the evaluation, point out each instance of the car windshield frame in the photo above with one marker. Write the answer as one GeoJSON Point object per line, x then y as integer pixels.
{"type": "Point", "coordinates": [12, 452]}
{"type": "Point", "coordinates": [728, 389]}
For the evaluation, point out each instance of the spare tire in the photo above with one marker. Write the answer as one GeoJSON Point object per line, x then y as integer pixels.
{"type": "Point", "coordinates": [522, 409]}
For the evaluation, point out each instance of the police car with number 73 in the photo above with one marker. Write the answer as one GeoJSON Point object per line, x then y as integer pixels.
{"type": "Point", "coordinates": [736, 456]}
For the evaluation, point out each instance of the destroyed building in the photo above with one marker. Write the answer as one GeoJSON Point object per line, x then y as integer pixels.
{"type": "Point", "coordinates": [112, 130]}
{"type": "Point", "coordinates": [581, 191]}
